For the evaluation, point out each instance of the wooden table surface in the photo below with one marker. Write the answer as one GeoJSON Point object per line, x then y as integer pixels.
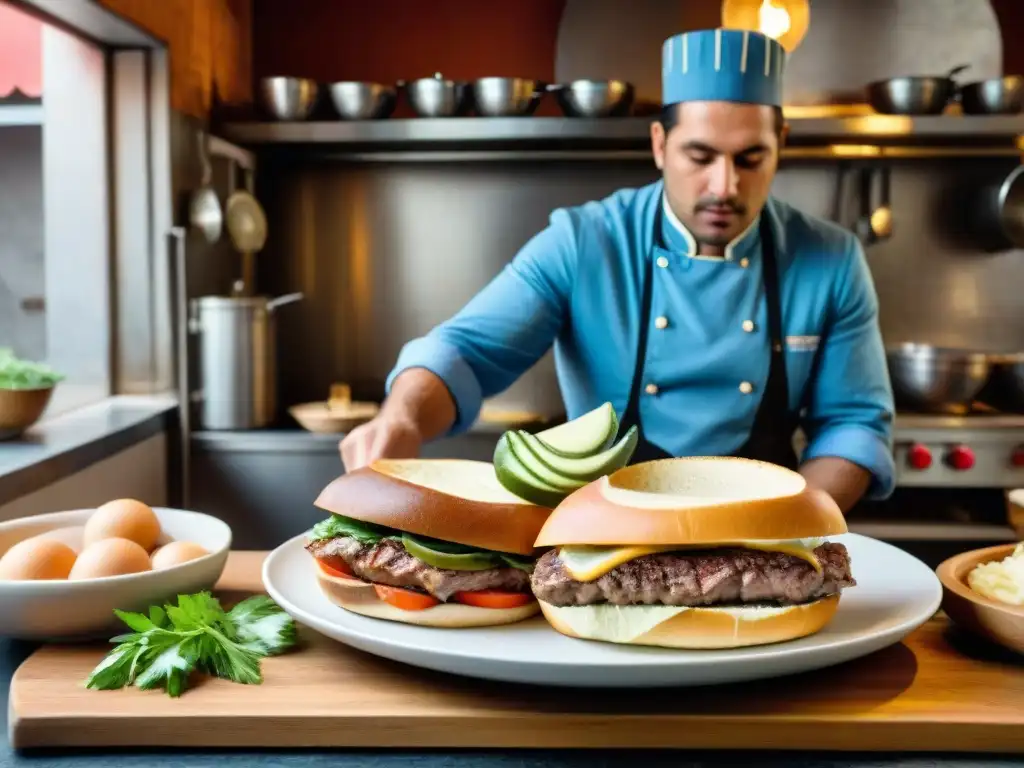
{"type": "Point", "coordinates": [934, 692]}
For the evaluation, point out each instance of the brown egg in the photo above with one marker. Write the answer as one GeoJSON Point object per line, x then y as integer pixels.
{"type": "Point", "coordinates": [110, 557]}
{"type": "Point", "coordinates": [37, 559]}
{"type": "Point", "coordinates": [70, 535]}
{"type": "Point", "coordinates": [123, 519]}
{"type": "Point", "coordinates": [175, 553]}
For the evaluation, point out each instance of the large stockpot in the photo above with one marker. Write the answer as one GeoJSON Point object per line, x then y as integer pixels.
{"type": "Point", "coordinates": [936, 379]}
{"type": "Point", "coordinates": [237, 359]}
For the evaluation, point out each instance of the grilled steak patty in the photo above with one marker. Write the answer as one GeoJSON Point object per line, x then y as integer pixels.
{"type": "Point", "coordinates": [387, 562]}
{"type": "Point", "coordinates": [710, 577]}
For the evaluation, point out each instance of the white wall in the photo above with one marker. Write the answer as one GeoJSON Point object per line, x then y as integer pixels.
{"type": "Point", "coordinates": [76, 208]}
{"type": "Point", "coordinates": [140, 472]}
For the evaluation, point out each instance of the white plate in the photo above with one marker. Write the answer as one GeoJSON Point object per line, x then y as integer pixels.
{"type": "Point", "coordinates": [895, 594]}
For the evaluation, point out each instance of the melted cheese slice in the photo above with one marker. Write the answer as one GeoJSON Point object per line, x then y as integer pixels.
{"type": "Point", "coordinates": [591, 563]}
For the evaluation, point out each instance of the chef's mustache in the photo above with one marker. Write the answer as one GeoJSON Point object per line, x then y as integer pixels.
{"type": "Point", "coordinates": [720, 202]}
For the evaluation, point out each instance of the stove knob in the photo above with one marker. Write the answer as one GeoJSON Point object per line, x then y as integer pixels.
{"type": "Point", "coordinates": [919, 457]}
{"type": "Point", "coordinates": [1017, 457]}
{"type": "Point", "coordinates": [960, 457]}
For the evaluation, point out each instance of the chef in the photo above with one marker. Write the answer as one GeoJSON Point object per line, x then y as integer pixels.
{"type": "Point", "coordinates": [715, 318]}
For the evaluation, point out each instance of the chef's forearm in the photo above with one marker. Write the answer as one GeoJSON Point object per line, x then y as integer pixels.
{"type": "Point", "coordinates": [421, 397]}
{"type": "Point", "coordinates": [843, 480]}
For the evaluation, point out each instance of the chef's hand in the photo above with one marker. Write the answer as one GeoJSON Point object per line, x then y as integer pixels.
{"type": "Point", "coordinates": [385, 437]}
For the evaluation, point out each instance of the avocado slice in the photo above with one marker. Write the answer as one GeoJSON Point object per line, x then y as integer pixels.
{"type": "Point", "coordinates": [464, 561]}
{"type": "Point", "coordinates": [585, 468]}
{"type": "Point", "coordinates": [585, 435]}
{"type": "Point", "coordinates": [518, 479]}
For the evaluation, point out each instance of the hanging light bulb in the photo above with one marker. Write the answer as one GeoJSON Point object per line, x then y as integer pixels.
{"type": "Point", "coordinates": [785, 20]}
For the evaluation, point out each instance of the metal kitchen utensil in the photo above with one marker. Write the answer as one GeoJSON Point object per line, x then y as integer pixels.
{"type": "Point", "coordinates": [247, 225]}
{"type": "Point", "coordinates": [363, 101]}
{"type": "Point", "coordinates": [288, 98]}
{"type": "Point", "coordinates": [506, 96]}
{"type": "Point", "coordinates": [999, 212]}
{"type": "Point", "coordinates": [437, 97]}
{"type": "Point", "coordinates": [205, 213]}
{"type": "Point", "coordinates": [936, 379]}
{"type": "Point", "coordinates": [913, 95]}
{"type": "Point", "coordinates": [881, 217]}
{"type": "Point", "coordinates": [594, 98]}
{"type": "Point", "coordinates": [237, 359]}
{"type": "Point", "coordinates": [875, 222]}
{"type": "Point", "coordinates": [995, 96]}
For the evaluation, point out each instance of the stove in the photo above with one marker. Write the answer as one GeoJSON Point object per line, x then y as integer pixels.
{"type": "Point", "coordinates": [977, 450]}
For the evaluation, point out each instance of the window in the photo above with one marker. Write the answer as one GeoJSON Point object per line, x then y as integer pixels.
{"type": "Point", "coordinates": [85, 199]}
{"type": "Point", "coordinates": [55, 245]}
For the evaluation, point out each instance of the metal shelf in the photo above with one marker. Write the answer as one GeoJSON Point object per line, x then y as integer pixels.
{"type": "Point", "coordinates": [857, 136]}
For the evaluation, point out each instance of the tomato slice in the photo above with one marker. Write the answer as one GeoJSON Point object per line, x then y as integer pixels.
{"type": "Point", "coordinates": [492, 598]}
{"type": "Point", "coordinates": [405, 599]}
{"type": "Point", "coordinates": [333, 565]}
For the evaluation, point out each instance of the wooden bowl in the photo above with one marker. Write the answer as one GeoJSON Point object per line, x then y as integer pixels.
{"type": "Point", "coordinates": [1015, 510]}
{"type": "Point", "coordinates": [990, 619]}
{"type": "Point", "coordinates": [321, 417]}
{"type": "Point", "coordinates": [21, 408]}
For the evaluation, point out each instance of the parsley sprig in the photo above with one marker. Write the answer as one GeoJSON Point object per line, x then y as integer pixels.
{"type": "Point", "coordinates": [197, 634]}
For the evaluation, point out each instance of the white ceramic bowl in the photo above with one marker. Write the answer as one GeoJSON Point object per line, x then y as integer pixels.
{"type": "Point", "coordinates": [84, 609]}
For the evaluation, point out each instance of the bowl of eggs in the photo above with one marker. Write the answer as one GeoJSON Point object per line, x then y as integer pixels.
{"type": "Point", "coordinates": [62, 574]}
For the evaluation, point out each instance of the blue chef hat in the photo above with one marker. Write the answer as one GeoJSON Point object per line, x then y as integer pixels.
{"type": "Point", "coordinates": [722, 65]}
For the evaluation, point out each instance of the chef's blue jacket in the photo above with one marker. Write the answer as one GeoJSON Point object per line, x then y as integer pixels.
{"type": "Point", "coordinates": [577, 285]}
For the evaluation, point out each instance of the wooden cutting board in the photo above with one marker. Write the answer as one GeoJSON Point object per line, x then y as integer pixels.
{"type": "Point", "coordinates": [930, 693]}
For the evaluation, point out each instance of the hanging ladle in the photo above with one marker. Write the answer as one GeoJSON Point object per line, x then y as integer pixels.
{"type": "Point", "coordinates": [205, 212]}
{"type": "Point", "coordinates": [881, 218]}
{"type": "Point", "coordinates": [874, 224]}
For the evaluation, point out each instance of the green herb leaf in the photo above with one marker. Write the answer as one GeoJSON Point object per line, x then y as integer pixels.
{"type": "Point", "coordinates": [115, 669]}
{"type": "Point", "coordinates": [136, 621]}
{"type": "Point", "coordinates": [172, 641]}
{"type": "Point", "coordinates": [339, 525]}
{"type": "Point", "coordinates": [262, 626]}
{"type": "Point", "coordinates": [169, 662]}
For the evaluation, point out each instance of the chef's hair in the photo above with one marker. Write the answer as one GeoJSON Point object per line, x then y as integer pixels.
{"type": "Point", "coordinates": [669, 118]}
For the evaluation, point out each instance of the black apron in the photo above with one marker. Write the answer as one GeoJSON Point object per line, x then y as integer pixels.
{"type": "Point", "coordinates": [771, 438]}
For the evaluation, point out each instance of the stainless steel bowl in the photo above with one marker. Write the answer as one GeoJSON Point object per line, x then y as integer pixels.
{"type": "Point", "coordinates": [594, 98]}
{"type": "Point", "coordinates": [363, 101]}
{"type": "Point", "coordinates": [437, 97]}
{"type": "Point", "coordinates": [506, 96]}
{"type": "Point", "coordinates": [936, 379]}
{"type": "Point", "coordinates": [996, 96]}
{"type": "Point", "coordinates": [288, 98]}
{"type": "Point", "coordinates": [914, 95]}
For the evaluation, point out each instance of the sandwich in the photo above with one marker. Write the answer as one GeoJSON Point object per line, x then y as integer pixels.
{"type": "Point", "coordinates": [438, 543]}
{"type": "Point", "coordinates": [693, 553]}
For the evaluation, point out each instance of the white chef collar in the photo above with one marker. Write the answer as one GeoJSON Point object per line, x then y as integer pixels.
{"type": "Point", "coordinates": [691, 243]}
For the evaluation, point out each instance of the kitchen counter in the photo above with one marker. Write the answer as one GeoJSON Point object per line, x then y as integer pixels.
{"type": "Point", "coordinates": [58, 447]}
{"type": "Point", "coordinates": [13, 653]}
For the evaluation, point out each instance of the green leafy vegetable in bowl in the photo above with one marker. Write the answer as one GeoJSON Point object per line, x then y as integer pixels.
{"type": "Point", "coordinates": [197, 634]}
{"type": "Point", "coordinates": [16, 373]}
